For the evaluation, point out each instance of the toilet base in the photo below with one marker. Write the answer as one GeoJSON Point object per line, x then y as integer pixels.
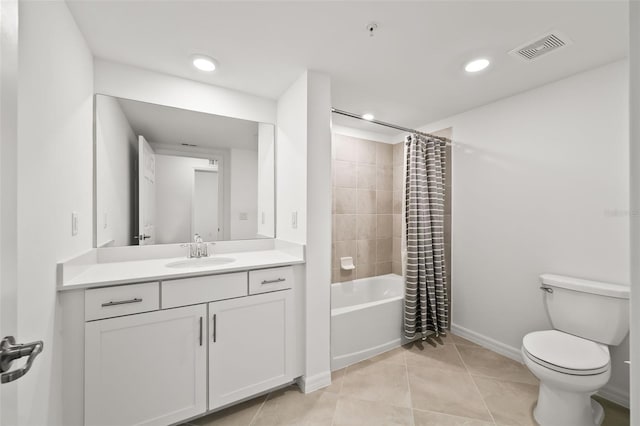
{"type": "Point", "coordinates": [557, 407]}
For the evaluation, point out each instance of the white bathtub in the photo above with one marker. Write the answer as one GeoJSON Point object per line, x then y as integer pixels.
{"type": "Point", "coordinates": [366, 318]}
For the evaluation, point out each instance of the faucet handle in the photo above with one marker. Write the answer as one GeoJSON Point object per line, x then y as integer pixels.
{"type": "Point", "coordinates": [190, 246]}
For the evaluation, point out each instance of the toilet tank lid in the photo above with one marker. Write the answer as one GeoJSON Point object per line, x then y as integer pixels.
{"type": "Point", "coordinates": [586, 286]}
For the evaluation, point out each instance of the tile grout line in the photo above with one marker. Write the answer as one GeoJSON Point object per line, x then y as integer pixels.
{"type": "Point", "coordinates": [335, 410]}
{"type": "Point", "coordinates": [406, 370]}
{"type": "Point", "coordinates": [259, 409]}
{"type": "Point", "coordinates": [475, 385]}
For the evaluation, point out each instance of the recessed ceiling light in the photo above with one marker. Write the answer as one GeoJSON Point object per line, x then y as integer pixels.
{"type": "Point", "coordinates": [476, 65]}
{"type": "Point", "coordinates": [204, 63]}
{"type": "Point", "coordinates": [368, 116]}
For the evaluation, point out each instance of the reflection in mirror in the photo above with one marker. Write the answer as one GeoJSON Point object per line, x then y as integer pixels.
{"type": "Point", "coordinates": [165, 174]}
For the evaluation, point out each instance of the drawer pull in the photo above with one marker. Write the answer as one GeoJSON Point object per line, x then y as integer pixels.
{"type": "Point", "coordinates": [277, 280]}
{"type": "Point", "coordinates": [122, 302]}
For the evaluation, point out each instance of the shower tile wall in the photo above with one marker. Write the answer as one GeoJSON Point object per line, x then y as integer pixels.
{"type": "Point", "coordinates": [362, 207]}
{"type": "Point", "coordinates": [368, 180]}
{"type": "Point", "coordinates": [398, 182]}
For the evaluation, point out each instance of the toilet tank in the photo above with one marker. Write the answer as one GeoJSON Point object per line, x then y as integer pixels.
{"type": "Point", "coordinates": [593, 310]}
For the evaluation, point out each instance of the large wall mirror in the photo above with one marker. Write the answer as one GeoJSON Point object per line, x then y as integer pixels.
{"type": "Point", "coordinates": [165, 174]}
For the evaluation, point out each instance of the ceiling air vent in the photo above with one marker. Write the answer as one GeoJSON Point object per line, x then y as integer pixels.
{"type": "Point", "coordinates": [545, 44]}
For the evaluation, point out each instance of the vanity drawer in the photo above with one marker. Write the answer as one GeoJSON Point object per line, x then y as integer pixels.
{"type": "Point", "coordinates": [110, 302]}
{"type": "Point", "coordinates": [190, 291]}
{"type": "Point", "coordinates": [265, 280]}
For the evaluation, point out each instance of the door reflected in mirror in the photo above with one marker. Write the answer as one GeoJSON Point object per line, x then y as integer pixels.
{"type": "Point", "coordinates": [164, 174]}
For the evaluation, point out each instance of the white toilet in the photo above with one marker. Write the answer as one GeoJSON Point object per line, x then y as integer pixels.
{"type": "Point", "coordinates": [572, 360]}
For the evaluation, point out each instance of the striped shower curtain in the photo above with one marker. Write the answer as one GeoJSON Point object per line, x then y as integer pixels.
{"type": "Point", "coordinates": [426, 303]}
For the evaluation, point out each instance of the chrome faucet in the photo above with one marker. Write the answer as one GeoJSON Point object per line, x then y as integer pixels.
{"type": "Point", "coordinates": [201, 249]}
{"type": "Point", "coordinates": [197, 248]}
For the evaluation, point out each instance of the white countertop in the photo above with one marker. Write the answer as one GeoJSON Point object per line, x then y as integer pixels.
{"type": "Point", "coordinates": [145, 270]}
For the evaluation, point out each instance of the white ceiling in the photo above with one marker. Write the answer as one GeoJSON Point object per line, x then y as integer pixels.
{"type": "Point", "coordinates": [409, 73]}
{"type": "Point", "coordinates": [172, 126]}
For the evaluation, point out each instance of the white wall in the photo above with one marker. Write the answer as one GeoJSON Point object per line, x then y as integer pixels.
{"type": "Point", "coordinates": [540, 184]}
{"type": "Point", "coordinates": [634, 55]}
{"type": "Point", "coordinates": [174, 190]}
{"type": "Point", "coordinates": [291, 162]}
{"type": "Point", "coordinates": [303, 164]}
{"type": "Point", "coordinates": [55, 177]}
{"type": "Point", "coordinates": [319, 188]}
{"type": "Point", "coordinates": [8, 192]}
{"type": "Point", "coordinates": [266, 180]}
{"type": "Point", "coordinates": [116, 148]}
{"type": "Point", "coordinates": [367, 134]}
{"type": "Point", "coordinates": [244, 194]}
{"type": "Point", "coordinates": [130, 82]}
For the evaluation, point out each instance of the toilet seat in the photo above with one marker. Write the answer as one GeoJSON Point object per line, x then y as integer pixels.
{"type": "Point", "coordinates": [566, 353]}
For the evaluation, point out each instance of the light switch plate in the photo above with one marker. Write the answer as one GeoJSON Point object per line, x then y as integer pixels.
{"type": "Point", "coordinates": [294, 220]}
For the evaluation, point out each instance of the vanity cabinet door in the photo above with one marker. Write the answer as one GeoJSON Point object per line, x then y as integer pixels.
{"type": "Point", "coordinates": [250, 346]}
{"type": "Point", "coordinates": [146, 369]}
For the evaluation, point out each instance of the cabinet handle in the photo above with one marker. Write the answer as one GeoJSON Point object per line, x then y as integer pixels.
{"type": "Point", "coordinates": [200, 331]}
{"type": "Point", "coordinates": [122, 302]}
{"type": "Point", "coordinates": [277, 280]}
{"type": "Point", "coordinates": [214, 328]}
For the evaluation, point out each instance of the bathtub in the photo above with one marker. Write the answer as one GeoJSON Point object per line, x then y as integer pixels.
{"type": "Point", "coordinates": [366, 318]}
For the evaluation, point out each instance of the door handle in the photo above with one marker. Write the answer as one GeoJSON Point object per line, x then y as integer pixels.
{"type": "Point", "coordinates": [10, 351]}
{"type": "Point", "coordinates": [141, 237]}
{"type": "Point", "coordinates": [214, 328]}
{"type": "Point", "coordinates": [200, 331]}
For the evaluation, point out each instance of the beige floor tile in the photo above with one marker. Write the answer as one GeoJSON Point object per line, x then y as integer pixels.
{"type": "Point", "coordinates": [337, 377]}
{"type": "Point", "coordinates": [237, 415]}
{"type": "Point", "coordinates": [510, 403]}
{"type": "Point", "coordinates": [462, 341]}
{"type": "Point", "coordinates": [439, 356]}
{"type": "Point", "coordinates": [614, 414]}
{"type": "Point", "coordinates": [430, 418]}
{"type": "Point", "coordinates": [394, 356]}
{"type": "Point", "coordinates": [378, 382]}
{"type": "Point", "coordinates": [355, 412]}
{"type": "Point", "coordinates": [442, 339]}
{"type": "Point", "coordinates": [291, 407]}
{"type": "Point", "coordinates": [446, 392]}
{"type": "Point", "coordinates": [483, 362]}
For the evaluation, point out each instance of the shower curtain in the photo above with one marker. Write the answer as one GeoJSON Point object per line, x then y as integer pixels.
{"type": "Point", "coordinates": [426, 303]}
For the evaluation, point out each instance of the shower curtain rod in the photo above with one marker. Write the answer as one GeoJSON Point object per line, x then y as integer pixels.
{"type": "Point", "coordinates": [393, 126]}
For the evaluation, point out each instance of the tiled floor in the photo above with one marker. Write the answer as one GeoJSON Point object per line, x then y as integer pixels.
{"type": "Point", "coordinates": [449, 382]}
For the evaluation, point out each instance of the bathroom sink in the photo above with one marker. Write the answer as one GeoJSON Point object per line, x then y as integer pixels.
{"type": "Point", "coordinates": [201, 262]}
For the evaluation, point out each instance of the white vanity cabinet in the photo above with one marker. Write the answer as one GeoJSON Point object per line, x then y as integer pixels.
{"type": "Point", "coordinates": [146, 369]}
{"type": "Point", "coordinates": [250, 346]}
{"type": "Point", "coordinates": [207, 342]}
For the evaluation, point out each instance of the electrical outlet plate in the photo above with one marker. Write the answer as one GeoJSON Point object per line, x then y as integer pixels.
{"type": "Point", "coordinates": [74, 224]}
{"type": "Point", "coordinates": [294, 220]}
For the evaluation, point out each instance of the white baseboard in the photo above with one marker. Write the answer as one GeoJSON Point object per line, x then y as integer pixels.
{"type": "Point", "coordinates": [616, 395]}
{"type": "Point", "coordinates": [610, 393]}
{"type": "Point", "coordinates": [488, 342]}
{"type": "Point", "coordinates": [315, 382]}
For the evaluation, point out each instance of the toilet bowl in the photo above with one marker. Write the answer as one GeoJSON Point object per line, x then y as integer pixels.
{"type": "Point", "coordinates": [572, 361]}
{"type": "Point", "coordinates": [570, 370]}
